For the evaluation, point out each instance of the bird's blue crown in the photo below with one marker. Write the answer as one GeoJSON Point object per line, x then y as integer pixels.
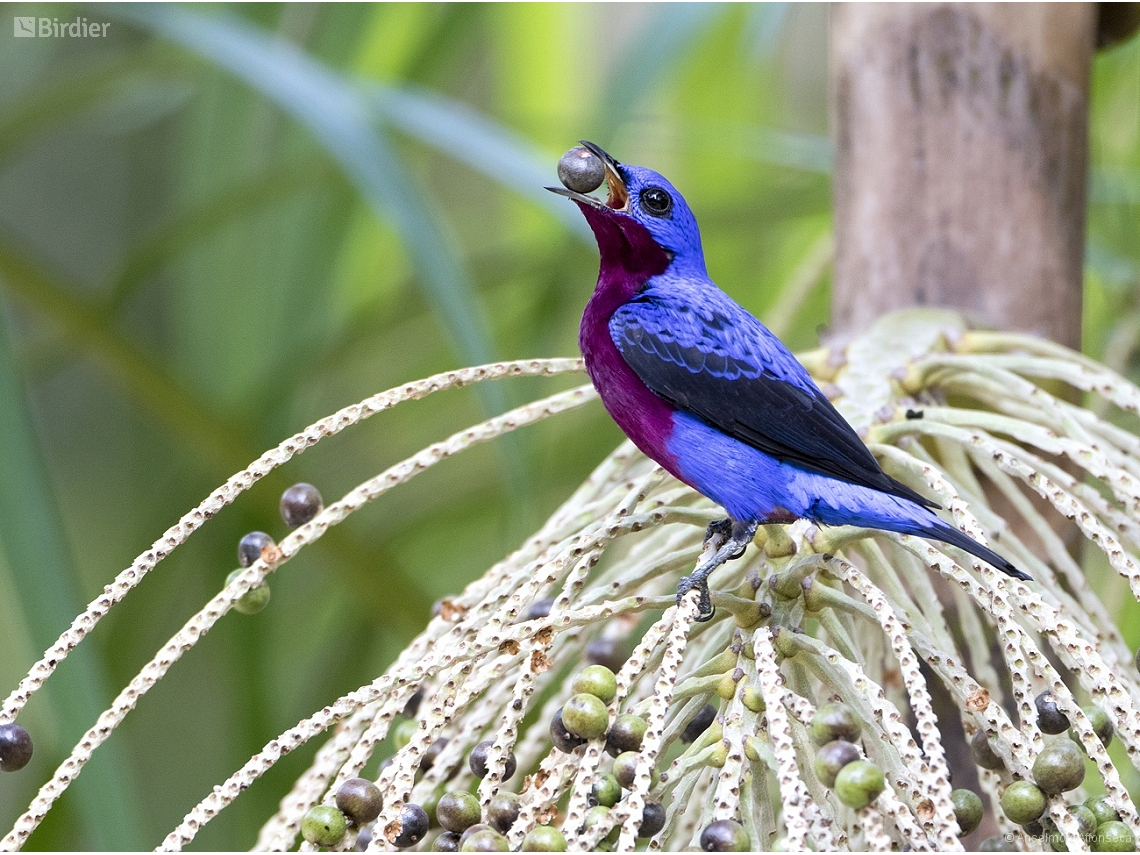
{"type": "Point", "coordinates": [656, 205]}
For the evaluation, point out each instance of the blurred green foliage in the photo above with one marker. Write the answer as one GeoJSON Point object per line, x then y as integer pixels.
{"type": "Point", "coordinates": [219, 224]}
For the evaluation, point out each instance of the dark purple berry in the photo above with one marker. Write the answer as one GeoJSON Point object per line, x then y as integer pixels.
{"type": "Point", "coordinates": [359, 799]}
{"type": "Point", "coordinates": [299, 504]}
{"type": "Point", "coordinates": [1049, 717]}
{"type": "Point", "coordinates": [15, 747]}
{"type": "Point", "coordinates": [625, 734]}
{"type": "Point", "coordinates": [652, 819]}
{"type": "Point", "coordinates": [478, 760]}
{"type": "Point", "coordinates": [700, 723]}
{"type": "Point", "coordinates": [413, 705]}
{"type": "Point", "coordinates": [448, 841]}
{"type": "Point", "coordinates": [433, 750]}
{"type": "Point", "coordinates": [539, 608]}
{"type": "Point", "coordinates": [607, 651]}
{"type": "Point", "coordinates": [983, 753]}
{"type": "Point", "coordinates": [724, 835]}
{"type": "Point", "coordinates": [414, 825]}
{"type": "Point", "coordinates": [250, 546]}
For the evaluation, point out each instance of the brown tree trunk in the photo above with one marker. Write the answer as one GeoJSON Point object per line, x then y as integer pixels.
{"type": "Point", "coordinates": [961, 150]}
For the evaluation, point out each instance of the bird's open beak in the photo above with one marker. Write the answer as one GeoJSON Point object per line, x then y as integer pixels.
{"type": "Point", "coordinates": [618, 199]}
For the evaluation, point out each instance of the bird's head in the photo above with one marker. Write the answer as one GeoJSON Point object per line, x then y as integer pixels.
{"type": "Point", "coordinates": [643, 222]}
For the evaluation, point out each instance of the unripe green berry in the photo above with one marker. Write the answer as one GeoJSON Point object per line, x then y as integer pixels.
{"type": "Point", "coordinates": [1113, 836]}
{"type": "Point", "coordinates": [595, 816]}
{"type": "Point", "coordinates": [596, 680]}
{"type": "Point", "coordinates": [1059, 767]}
{"type": "Point", "coordinates": [253, 600]}
{"type": "Point", "coordinates": [718, 755]}
{"type": "Point", "coordinates": [605, 791]}
{"type": "Point", "coordinates": [585, 715]}
{"type": "Point", "coordinates": [834, 721]}
{"type": "Point", "coordinates": [859, 783]}
{"type": "Point", "coordinates": [544, 838]}
{"type": "Point", "coordinates": [998, 843]}
{"type": "Point", "coordinates": [487, 840]}
{"type": "Point", "coordinates": [1101, 725]}
{"type": "Point", "coordinates": [430, 803]}
{"type": "Point", "coordinates": [1102, 809]}
{"type": "Point", "coordinates": [471, 830]}
{"type": "Point", "coordinates": [457, 811]}
{"type": "Point", "coordinates": [968, 811]}
{"type": "Point", "coordinates": [563, 739]}
{"type": "Point", "coordinates": [1086, 821]}
{"type": "Point", "coordinates": [1023, 802]}
{"type": "Point", "coordinates": [403, 732]}
{"type": "Point", "coordinates": [323, 825]}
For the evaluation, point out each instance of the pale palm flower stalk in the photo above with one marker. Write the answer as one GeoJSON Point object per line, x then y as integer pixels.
{"type": "Point", "coordinates": [807, 617]}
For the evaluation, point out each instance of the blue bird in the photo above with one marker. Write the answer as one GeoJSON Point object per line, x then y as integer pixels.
{"type": "Point", "coordinates": [706, 390]}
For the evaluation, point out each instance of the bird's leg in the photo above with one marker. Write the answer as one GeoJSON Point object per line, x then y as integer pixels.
{"type": "Point", "coordinates": [718, 533]}
{"type": "Point", "coordinates": [730, 538]}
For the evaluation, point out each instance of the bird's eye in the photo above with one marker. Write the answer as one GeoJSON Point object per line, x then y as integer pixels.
{"type": "Point", "coordinates": [656, 201]}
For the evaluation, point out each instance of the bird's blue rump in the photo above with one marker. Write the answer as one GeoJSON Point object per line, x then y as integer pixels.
{"type": "Point", "coordinates": [752, 485]}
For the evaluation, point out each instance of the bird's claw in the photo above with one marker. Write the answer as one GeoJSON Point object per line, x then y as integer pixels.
{"type": "Point", "coordinates": [706, 610]}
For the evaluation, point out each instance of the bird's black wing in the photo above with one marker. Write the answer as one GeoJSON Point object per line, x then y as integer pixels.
{"type": "Point", "coordinates": [712, 359]}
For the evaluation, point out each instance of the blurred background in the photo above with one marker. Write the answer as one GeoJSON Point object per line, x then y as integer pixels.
{"type": "Point", "coordinates": [219, 224]}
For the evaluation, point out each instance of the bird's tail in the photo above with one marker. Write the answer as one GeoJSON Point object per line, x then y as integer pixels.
{"type": "Point", "coordinates": [940, 530]}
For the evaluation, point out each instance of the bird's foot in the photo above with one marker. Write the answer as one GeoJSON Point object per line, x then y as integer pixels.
{"type": "Point", "coordinates": [730, 539]}
{"type": "Point", "coordinates": [699, 584]}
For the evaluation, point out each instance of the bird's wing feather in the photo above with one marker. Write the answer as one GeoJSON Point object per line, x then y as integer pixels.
{"type": "Point", "coordinates": [708, 356]}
